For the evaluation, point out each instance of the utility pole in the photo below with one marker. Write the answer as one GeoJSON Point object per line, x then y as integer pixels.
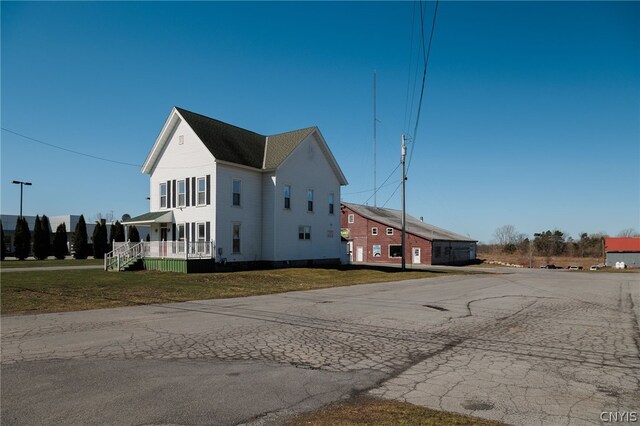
{"type": "Point", "coordinates": [22, 184]}
{"type": "Point", "coordinates": [375, 183]}
{"type": "Point", "coordinates": [404, 178]}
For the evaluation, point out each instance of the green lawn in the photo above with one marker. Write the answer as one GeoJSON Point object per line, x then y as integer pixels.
{"type": "Point", "coordinates": [72, 290]}
{"type": "Point", "coordinates": [32, 263]}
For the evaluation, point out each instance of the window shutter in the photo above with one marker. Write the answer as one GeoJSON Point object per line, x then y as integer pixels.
{"type": "Point", "coordinates": [186, 191]}
{"type": "Point", "coordinates": [193, 191]}
{"type": "Point", "coordinates": [173, 232]}
{"type": "Point", "coordinates": [173, 193]}
{"type": "Point", "coordinates": [208, 231]}
{"type": "Point", "coordinates": [193, 231]}
{"type": "Point", "coordinates": [208, 189]}
{"type": "Point", "coordinates": [186, 232]}
{"type": "Point", "coordinates": [169, 194]}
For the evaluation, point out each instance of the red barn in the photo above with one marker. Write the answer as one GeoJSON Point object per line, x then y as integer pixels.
{"type": "Point", "coordinates": [374, 235]}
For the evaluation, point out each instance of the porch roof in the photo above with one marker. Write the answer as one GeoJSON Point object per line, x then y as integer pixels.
{"type": "Point", "coordinates": [149, 218]}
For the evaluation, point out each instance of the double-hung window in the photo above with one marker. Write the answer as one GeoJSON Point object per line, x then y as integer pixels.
{"type": "Point", "coordinates": [304, 232]}
{"type": "Point", "coordinates": [236, 238]}
{"type": "Point", "coordinates": [163, 195]}
{"type": "Point", "coordinates": [236, 192]}
{"type": "Point", "coordinates": [287, 196]}
{"type": "Point", "coordinates": [181, 194]}
{"type": "Point", "coordinates": [351, 218]}
{"type": "Point", "coordinates": [310, 200]}
{"type": "Point", "coordinates": [202, 188]}
{"type": "Point", "coordinates": [331, 203]}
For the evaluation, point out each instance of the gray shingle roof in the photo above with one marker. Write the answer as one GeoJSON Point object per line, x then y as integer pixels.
{"type": "Point", "coordinates": [239, 146]}
{"type": "Point", "coordinates": [393, 218]}
{"type": "Point", "coordinates": [280, 146]}
{"type": "Point", "coordinates": [227, 142]}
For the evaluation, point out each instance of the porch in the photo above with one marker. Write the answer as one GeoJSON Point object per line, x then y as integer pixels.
{"type": "Point", "coordinates": [160, 255]}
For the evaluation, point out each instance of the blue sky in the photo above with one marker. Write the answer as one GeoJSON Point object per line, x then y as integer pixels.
{"type": "Point", "coordinates": [531, 113]}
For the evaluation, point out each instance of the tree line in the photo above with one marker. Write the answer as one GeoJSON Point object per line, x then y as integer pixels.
{"type": "Point", "coordinates": [550, 242]}
{"type": "Point", "coordinates": [42, 247]}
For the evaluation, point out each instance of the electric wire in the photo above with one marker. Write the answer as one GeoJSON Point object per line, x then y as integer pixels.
{"type": "Point", "coordinates": [383, 183]}
{"type": "Point", "coordinates": [424, 76]}
{"type": "Point", "coordinates": [70, 150]}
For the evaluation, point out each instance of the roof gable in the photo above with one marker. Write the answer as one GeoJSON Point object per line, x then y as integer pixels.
{"type": "Point", "coordinates": [235, 145]}
{"type": "Point", "coordinates": [393, 218]}
{"type": "Point", "coordinates": [225, 141]}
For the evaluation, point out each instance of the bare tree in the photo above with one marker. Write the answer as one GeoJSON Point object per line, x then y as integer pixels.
{"type": "Point", "coordinates": [629, 232]}
{"type": "Point", "coordinates": [505, 235]}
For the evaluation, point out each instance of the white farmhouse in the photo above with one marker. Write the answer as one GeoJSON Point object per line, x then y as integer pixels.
{"type": "Point", "coordinates": [222, 194]}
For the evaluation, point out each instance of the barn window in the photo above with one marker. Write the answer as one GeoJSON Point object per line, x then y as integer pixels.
{"type": "Point", "coordinates": [374, 231]}
{"type": "Point", "coordinates": [389, 231]}
{"type": "Point", "coordinates": [395, 250]}
{"type": "Point", "coordinates": [351, 218]}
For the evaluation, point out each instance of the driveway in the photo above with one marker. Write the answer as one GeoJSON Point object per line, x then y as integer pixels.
{"type": "Point", "coordinates": [533, 346]}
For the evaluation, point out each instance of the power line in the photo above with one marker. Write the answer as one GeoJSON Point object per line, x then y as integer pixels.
{"type": "Point", "coordinates": [385, 181]}
{"type": "Point", "coordinates": [392, 194]}
{"type": "Point", "coordinates": [424, 75]}
{"type": "Point", "coordinates": [70, 150]}
{"type": "Point", "coordinates": [367, 190]}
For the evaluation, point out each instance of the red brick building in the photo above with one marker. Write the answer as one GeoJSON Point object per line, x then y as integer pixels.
{"type": "Point", "coordinates": [374, 235]}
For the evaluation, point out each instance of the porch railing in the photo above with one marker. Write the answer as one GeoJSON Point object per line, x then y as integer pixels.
{"type": "Point", "coordinates": [126, 253]}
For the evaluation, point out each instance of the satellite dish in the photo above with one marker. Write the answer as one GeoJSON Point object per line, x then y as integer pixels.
{"type": "Point", "coordinates": [126, 216]}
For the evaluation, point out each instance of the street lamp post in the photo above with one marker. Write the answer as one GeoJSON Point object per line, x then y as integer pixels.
{"type": "Point", "coordinates": [22, 184]}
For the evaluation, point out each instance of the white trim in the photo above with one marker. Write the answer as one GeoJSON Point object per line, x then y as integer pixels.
{"type": "Point", "coordinates": [374, 230]}
{"type": "Point", "coordinates": [204, 193]}
{"type": "Point", "coordinates": [233, 181]}
{"type": "Point", "coordinates": [389, 229]}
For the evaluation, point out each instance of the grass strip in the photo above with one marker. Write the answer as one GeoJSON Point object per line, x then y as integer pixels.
{"type": "Point", "coordinates": [73, 290]}
{"type": "Point", "coordinates": [371, 411]}
{"type": "Point", "coordinates": [32, 263]}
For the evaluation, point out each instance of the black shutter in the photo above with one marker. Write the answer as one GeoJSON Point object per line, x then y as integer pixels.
{"type": "Point", "coordinates": [173, 193]}
{"type": "Point", "coordinates": [173, 231]}
{"type": "Point", "coordinates": [208, 189]}
{"type": "Point", "coordinates": [169, 194]}
{"type": "Point", "coordinates": [186, 192]}
{"type": "Point", "coordinates": [208, 231]}
{"type": "Point", "coordinates": [186, 232]}
{"type": "Point", "coordinates": [193, 191]}
{"type": "Point", "coordinates": [193, 231]}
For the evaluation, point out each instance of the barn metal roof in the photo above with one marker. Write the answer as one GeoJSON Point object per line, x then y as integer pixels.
{"type": "Point", "coordinates": [393, 219]}
{"type": "Point", "coordinates": [628, 244]}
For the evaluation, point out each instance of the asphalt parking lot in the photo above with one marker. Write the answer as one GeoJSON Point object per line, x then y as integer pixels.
{"type": "Point", "coordinates": [531, 346]}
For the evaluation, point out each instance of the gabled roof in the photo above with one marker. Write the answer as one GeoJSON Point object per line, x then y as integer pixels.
{"type": "Point", "coordinates": [629, 244]}
{"type": "Point", "coordinates": [236, 145]}
{"type": "Point", "coordinates": [393, 219]}
{"type": "Point", "coordinates": [280, 146]}
{"type": "Point", "coordinates": [225, 141]}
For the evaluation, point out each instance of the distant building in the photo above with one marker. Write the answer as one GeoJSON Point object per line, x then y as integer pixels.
{"type": "Point", "coordinates": [625, 250]}
{"type": "Point", "coordinates": [374, 235]}
{"type": "Point", "coordinates": [70, 221]}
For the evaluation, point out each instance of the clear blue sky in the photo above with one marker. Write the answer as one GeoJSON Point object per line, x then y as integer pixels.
{"type": "Point", "coordinates": [531, 113]}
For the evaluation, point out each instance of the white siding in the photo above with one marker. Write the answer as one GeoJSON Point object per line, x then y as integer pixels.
{"type": "Point", "coordinates": [248, 214]}
{"type": "Point", "coordinates": [268, 215]}
{"type": "Point", "coordinates": [307, 168]}
{"type": "Point", "coordinates": [181, 161]}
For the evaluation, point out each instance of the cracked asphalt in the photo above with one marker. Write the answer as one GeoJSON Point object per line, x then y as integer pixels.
{"type": "Point", "coordinates": [529, 347]}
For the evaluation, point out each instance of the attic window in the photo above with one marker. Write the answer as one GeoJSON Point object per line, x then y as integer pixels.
{"type": "Point", "coordinates": [181, 140]}
{"type": "Point", "coordinates": [389, 231]}
{"type": "Point", "coordinates": [374, 231]}
{"type": "Point", "coordinates": [351, 218]}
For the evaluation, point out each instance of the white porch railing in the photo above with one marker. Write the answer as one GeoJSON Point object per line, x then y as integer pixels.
{"type": "Point", "coordinates": [126, 253]}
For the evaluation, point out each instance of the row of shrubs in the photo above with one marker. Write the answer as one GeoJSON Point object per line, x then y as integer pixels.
{"type": "Point", "coordinates": [43, 247]}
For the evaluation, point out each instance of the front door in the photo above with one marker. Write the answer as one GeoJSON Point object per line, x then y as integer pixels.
{"type": "Point", "coordinates": [163, 240]}
{"type": "Point", "coordinates": [359, 254]}
{"type": "Point", "coordinates": [416, 255]}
